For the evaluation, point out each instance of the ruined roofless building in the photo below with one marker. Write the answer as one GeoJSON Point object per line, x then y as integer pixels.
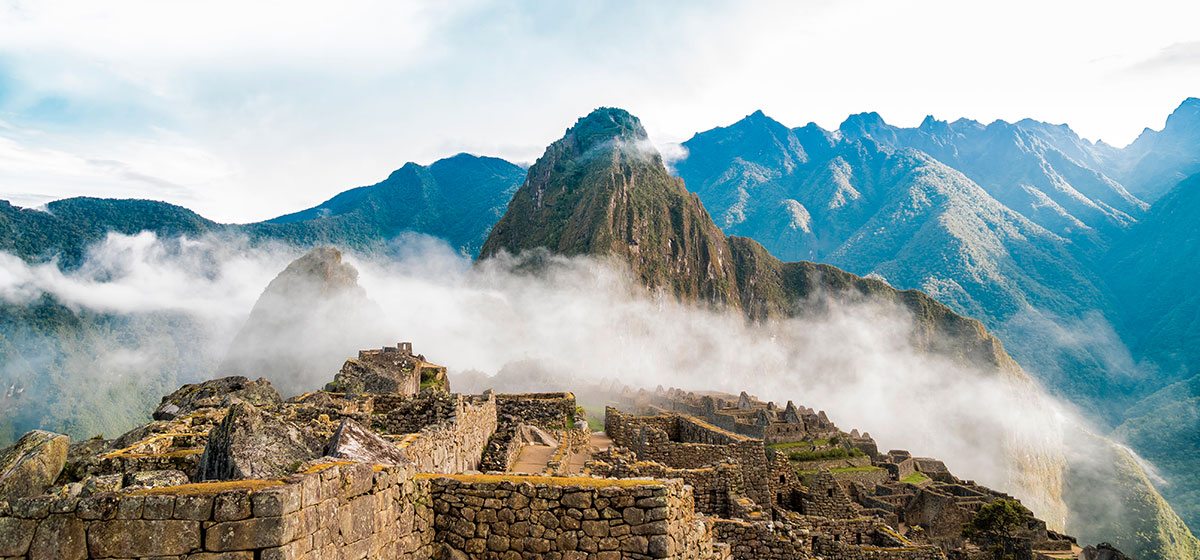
{"type": "Point", "coordinates": [389, 370]}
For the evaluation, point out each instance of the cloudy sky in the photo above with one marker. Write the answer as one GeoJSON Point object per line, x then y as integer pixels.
{"type": "Point", "coordinates": [246, 110]}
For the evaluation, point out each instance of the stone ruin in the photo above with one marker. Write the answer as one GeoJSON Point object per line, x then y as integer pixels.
{"type": "Point", "coordinates": [386, 463]}
{"type": "Point", "coordinates": [391, 369]}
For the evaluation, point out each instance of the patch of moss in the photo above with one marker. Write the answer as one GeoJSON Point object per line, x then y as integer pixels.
{"type": "Point", "coordinates": [915, 477]}
{"type": "Point", "coordinates": [586, 482]}
{"type": "Point", "coordinates": [200, 488]}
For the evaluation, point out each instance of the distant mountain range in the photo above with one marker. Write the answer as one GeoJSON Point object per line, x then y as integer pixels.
{"type": "Point", "coordinates": [456, 199]}
{"type": "Point", "coordinates": [1078, 255]}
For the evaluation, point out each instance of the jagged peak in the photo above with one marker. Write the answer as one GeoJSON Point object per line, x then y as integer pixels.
{"type": "Point", "coordinates": [606, 124]}
{"type": "Point", "coordinates": [409, 169]}
{"type": "Point", "coordinates": [1188, 111]}
{"type": "Point", "coordinates": [930, 121]}
{"type": "Point", "coordinates": [863, 120]}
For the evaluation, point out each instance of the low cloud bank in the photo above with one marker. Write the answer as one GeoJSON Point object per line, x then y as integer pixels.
{"type": "Point", "coordinates": [167, 310]}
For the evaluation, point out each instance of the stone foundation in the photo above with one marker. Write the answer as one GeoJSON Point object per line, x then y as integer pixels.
{"type": "Point", "coordinates": [345, 511]}
{"type": "Point", "coordinates": [501, 517]}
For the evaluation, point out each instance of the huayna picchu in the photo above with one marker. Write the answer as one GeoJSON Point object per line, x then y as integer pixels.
{"type": "Point", "coordinates": [385, 463]}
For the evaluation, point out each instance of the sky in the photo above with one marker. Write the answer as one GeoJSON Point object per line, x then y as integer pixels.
{"type": "Point", "coordinates": [244, 111]}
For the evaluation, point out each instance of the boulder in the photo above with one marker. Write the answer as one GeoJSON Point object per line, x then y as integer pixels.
{"type": "Point", "coordinates": [1102, 551]}
{"type": "Point", "coordinates": [383, 375]}
{"type": "Point", "coordinates": [31, 465]}
{"type": "Point", "coordinates": [354, 442]}
{"type": "Point", "coordinates": [82, 458]}
{"type": "Point", "coordinates": [215, 393]}
{"type": "Point", "coordinates": [251, 443]}
{"type": "Point", "coordinates": [534, 435]}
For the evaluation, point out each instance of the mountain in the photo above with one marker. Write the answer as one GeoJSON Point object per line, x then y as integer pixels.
{"type": "Point", "coordinates": [306, 320]}
{"type": "Point", "coordinates": [1152, 270]}
{"type": "Point", "coordinates": [1024, 166]}
{"type": "Point", "coordinates": [1165, 429]}
{"type": "Point", "coordinates": [65, 228]}
{"type": "Point", "coordinates": [600, 190]}
{"type": "Point", "coordinates": [456, 199]}
{"type": "Point", "coordinates": [603, 191]}
{"type": "Point", "coordinates": [859, 199]}
{"type": "Point", "coordinates": [1159, 159]}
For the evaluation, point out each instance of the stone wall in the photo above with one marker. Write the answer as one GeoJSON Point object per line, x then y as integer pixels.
{"type": "Point", "coordinates": [502, 448]}
{"type": "Point", "coordinates": [646, 436]}
{"type": "Point", "coordinates": [827, 498]}
{"type": "Point", "coordinates": [550, 411]}
{"type": "Point", "coordinates": [409, 415]}
{"type": "Point", "coordinates": [756, 541]}
{"type": "Point", "coordinates": [346, 511]}
{"type": "Point", "coordinates": [457, 444]}
{"type": "Point", "coordinates": [499, 517]}
{"type": "Point", "coordinates": [808, 537]}
{"type": "Point", "coordinates": [713, 488]}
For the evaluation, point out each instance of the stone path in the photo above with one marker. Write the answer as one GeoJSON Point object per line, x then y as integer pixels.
{"type": "Point", "coordinates": [533, 459]}
{"type": "Point", "coordinates": [599, 442]}
{"type": "Point", "coordinates": [1061, 554]}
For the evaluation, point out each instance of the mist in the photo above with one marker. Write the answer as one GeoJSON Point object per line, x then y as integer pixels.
{"type": "Point", "coordinates": [172, 307]}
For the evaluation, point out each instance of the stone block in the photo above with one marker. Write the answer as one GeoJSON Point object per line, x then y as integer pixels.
{"type": "Point", "coordinates": [257, 532]}
{"type": "Point", "coordinates": [276, 501]}
{"type": "Point", "coordinates": [15, 535]}
{"type": "Point", "coordinates": [231, 506]}
{"type": "Point", "coordinates": [195, 508]}
{"type": "Point", "coordinates": [59, 537]}
{"type": "Point", "coordinates": [32, 508]}
{"type": "Point", "coordinates": [131, 538]}
{"type": "Point", "coordinates": [29, 466]}
{"type": "Point", "coordinates": [158, 506]}
{"type": "Point", "coordinates": [101, 506]}
{"type": "Point", "coordinates": [240, 555]}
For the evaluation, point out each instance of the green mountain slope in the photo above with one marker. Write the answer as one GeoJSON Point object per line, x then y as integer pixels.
{"type": "Point", "coordinates": [1152, 270]}
{"type": "Point", "coordinates": [456, 199]}
{"type": "Point", "coordinates": [1165, 429]}
{"type": "Point", "coordinates": [602, 191]}
{"type": "Point", "coordinates": [859, 199]}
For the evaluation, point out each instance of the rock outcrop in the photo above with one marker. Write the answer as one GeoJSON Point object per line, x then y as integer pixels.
{"type": "Point", "coordinates": [251, 444]}
{"type": "Point", "coordinates": [306, 321]}
{"type": "Point", "coordinates": [29, 467]}
{"type": "Point", "coordinates": [353, 442]}
{"type": "Point", "coordinates": [214, 393]}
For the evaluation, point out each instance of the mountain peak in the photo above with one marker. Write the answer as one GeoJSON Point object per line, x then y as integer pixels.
{"type": "Point", "coordinates": [863, 120]}
{"type": "Point", "coordinates": [606, 124]}
{"type": "Point", "coordinates": [1188, 111]}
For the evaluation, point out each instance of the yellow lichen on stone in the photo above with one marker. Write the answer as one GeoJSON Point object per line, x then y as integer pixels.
{"type": "Point", "coordinates": [546, 480]}
{"type": "Point", "coordinates": [199, 488]}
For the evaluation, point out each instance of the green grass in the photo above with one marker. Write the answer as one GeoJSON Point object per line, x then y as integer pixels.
{"type": "Point", "coordinates": [914, 478]}
{"type": "Point", "coordinates": [821, 454]}
{"type": "Point", "coordinates": [841, 470]}
{"type": "Point", "coordinates": [802, 445]}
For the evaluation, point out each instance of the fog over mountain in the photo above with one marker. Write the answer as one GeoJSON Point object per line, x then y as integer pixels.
{"type": "Point", "coordinates": [1024, 226]}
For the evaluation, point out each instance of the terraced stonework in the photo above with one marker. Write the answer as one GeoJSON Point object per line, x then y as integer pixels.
{"type": "Point", "coordinates": [233, 472]}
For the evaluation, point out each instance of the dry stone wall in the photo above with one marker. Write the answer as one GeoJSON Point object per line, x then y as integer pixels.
{"type": "Point", "coordinates": [345, 511]}
{"type": "Point", "coordinates": [550, 411]}
{"type": "Point", "coordinates": [650, 437]}
{"type": "Point", "coordinates": [503, 517]}
{"type": "Point", "coordinates": [457, 444]}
